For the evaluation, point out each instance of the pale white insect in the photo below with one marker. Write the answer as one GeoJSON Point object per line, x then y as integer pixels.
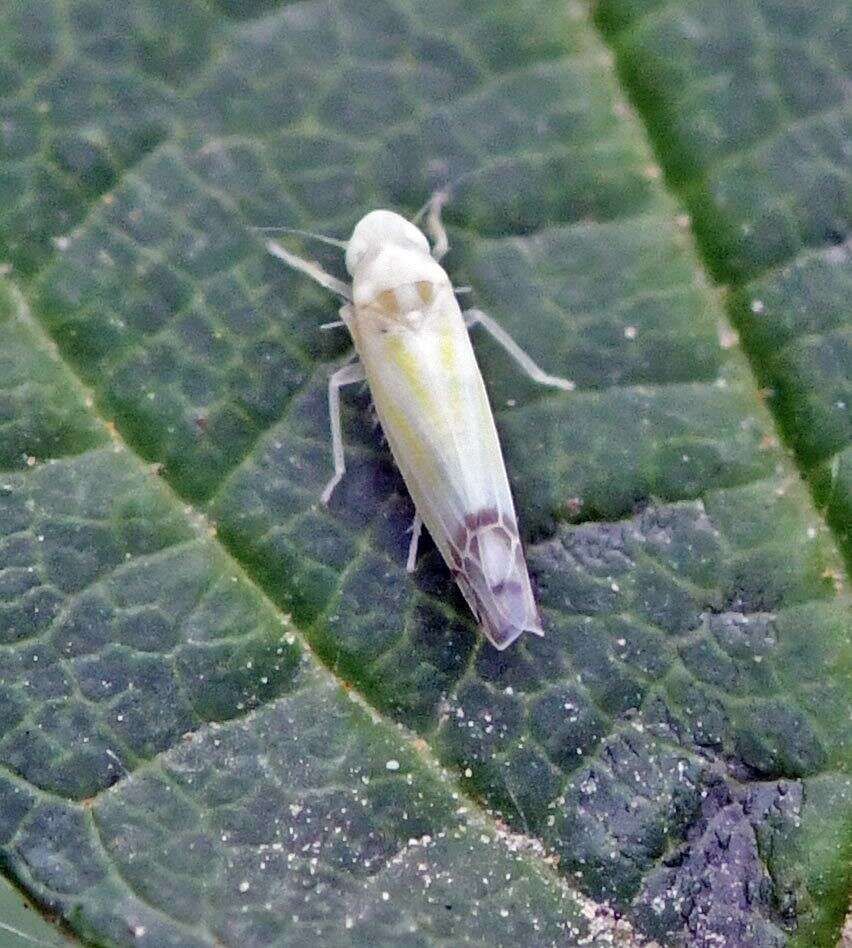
{"type": "Point", "coordinates": [415, 353]}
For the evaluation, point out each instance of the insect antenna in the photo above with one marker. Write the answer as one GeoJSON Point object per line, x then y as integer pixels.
{"type": "Point", "coordinates": [332, 241]}
{"type": "Point", "coordinates": [312, 269]}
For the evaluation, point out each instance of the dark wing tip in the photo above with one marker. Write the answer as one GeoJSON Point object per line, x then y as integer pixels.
{"type": "Point", "coordinates": [502, 638]}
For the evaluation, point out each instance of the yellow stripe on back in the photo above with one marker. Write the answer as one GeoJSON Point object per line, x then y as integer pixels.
{"type": "Point", "coordinates": [401, 357]}
{"type": "Point", "coordinates": [450, 364]}
{"type": "Point", "coordinates": [448, 352]}
{"type": "Point", "coordinates": [397, 428]}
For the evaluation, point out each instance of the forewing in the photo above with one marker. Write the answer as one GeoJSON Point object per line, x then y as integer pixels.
{"type": "Point", "coordinates": [434, 409]}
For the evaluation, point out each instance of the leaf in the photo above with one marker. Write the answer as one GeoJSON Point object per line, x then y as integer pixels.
{"type": "Point", "coordinates": [21, 926]}
{"type": "Point", "coordinates": [229, 716]}
{"type": "Point", "coordinates": [749, 108]}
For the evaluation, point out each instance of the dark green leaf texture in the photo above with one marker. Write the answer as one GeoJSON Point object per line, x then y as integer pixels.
{"type": "Point", "coordinates": [750, 108]}
{"type": "Point", "coordinates": [228, 715]}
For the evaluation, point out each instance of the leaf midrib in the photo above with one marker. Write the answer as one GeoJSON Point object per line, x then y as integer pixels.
{"type": "Point", "coordinates": [197, 517]}
{"type": "Point", "coordinates": [197, 521]}
{"type": "Point", "coordinates": [679, 188]}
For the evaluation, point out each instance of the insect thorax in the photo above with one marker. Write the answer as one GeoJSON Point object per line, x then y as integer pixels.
{"type": "Point", "coordinates": [397, 282]}
{"type": "Point", "coordinates": [404, 307]}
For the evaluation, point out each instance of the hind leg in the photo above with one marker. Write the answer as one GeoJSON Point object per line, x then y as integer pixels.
{"type": "Point", "coordinates": [416, 527]}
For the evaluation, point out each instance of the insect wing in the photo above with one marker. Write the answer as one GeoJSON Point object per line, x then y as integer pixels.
{"type": "Point", "coordinates": [433, 406]}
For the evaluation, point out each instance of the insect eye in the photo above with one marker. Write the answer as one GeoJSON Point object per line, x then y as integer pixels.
{"type": "Point", "coordinates": [389, 302]}
{"type": "Point", "coordinates": [408, 298]}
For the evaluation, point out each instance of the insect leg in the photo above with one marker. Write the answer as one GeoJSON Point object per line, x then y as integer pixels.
{"type": "Point", "coordinates": [472, 317]}
{"type": "Point", "coordinates": [344, 376]}
{"type": "Point", "coordinates": [313, 270]}
{"type": "Point", "coordinates": [416, 527]}
{"type": "Point", "coordinates": [434, 225]}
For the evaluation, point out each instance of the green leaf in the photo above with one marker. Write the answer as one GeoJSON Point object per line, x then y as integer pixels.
{"type": "Point", "coordinates": [21, 926]}
{"type": "Point", "coordinates": [228, 714]}
{"type": "Point", "coordinates": [749, 108]}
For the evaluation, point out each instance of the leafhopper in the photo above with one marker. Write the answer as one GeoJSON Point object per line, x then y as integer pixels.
{"type": "Point", "coordinates": [413, 349]}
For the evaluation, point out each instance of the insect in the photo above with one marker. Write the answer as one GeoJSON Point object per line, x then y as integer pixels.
{"type": "Point", "coordinates": [413, 348]}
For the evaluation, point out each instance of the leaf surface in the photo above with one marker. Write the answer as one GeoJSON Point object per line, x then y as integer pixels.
{"type": "Point", "coordinates": [228, 714]}
{"type": "Point", "coordinates": [749, 108]}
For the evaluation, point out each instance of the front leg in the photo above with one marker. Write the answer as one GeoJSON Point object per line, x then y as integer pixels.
{"type": "Point", "coordinates": [473, 317]}
{"type": "Point", "coordinates": [354, 372]}
{"type": "Point", "coordinates": [433, 224]}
